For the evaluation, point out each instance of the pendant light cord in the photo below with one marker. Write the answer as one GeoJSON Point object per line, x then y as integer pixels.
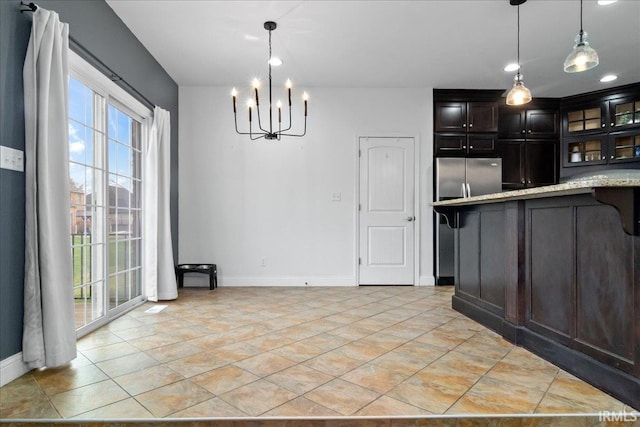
{"type": "Point", "coordinates": [518, 59]}
{"type": "Point", "coordinates": [581, 31]}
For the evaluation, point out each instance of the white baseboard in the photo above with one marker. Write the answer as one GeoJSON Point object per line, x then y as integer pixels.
{"type": "Point", "coordinates": [240, 281]}
{"type": "Point", "coordinates": [11, 368]}
{"type": "Point", "coordinates": [427, 281]}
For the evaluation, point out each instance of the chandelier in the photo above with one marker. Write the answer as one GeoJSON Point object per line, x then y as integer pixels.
{"type": "Point", "coordinates": [268, 132]}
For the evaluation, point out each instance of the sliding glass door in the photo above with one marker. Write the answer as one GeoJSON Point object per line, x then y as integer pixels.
{"type": "Point", "coordinates": [105, 169]}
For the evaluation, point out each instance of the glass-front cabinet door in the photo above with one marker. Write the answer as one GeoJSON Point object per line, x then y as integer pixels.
{"type": "Point", "coordinates": [581, 120]}
{"type": "Point", "coordinates": [624, 113]}
{"type": "Point", "coordinates": [624, 147]}
{"type": "Point", "coordinates": [585, 151]}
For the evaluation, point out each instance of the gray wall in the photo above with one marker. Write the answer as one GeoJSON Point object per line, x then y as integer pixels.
{"type": "Point", "coordinates": [94, 25]}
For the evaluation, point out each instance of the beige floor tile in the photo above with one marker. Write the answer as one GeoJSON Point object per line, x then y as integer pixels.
{"type": "Point", "coordinates": [36, 409]}
{"type": "Point", "coordinates": [432, 397]}
{"type": "Point", "coordinates": [222, 380]}
{"type": "Point", "coordinates": [374, 377]}
{"type": "Point", "coordinates": [55, 381]}
{"type": "Point", "coordinates": [537, 378]}
{"type": "Point", "coordinates": [172, 352]}
{"type": "Point", "coordinates": [270, 341]}
{"type": "Point", "coordinates": [265, 364]}
{"type": "Point", "coordinates": [360, 350]}
{"type": "Point", "coordinates": [335, 363]}
{"type": "Point", "coordinates": [237, 351]}
{"type": "Point", "coordinates": [123, 323]}
{"type": "Point", "coordinates": [98, 338]}
{"type": "Point", "coordinates": [465, 362]}
{"type": "Point", "coordinates": [124, 409]}
{"type": "Point", "coordinates": [554, 404]}
{"type": "Point", "coordinates": [326, 341]}
{"type": "Point", "coordinates": [403, 362]}
{"type": "Point", "coordinates": [489, 396]}
{"type": "Point", "coordinates": [212, 408]}
{"type": "Point", "coordinates": [424, 352]}
{"type": "Point", "coordinates": [153, 341]}
{"type": "Point", "coordinates": [342, 396]}
{"type": "Point", "coordinates": [298, 351]}
{"type": "Point", "coordinates": [197, 364]}
{"type": "Point", "coordinates": [109, 351]}
{"type": "Point", "coordinates": [568, 386]}
{"type": "Point", "coordinates": [299, 379]}
{"type": "Point", "coordinates": [134, 333]}
{"type": "Point", "coordinates": [172, 398]}
{"type": "Point", "coordinates": [301, 407]}
{"type": "Point", "coordinates": [386, 406]}
{"type": "Point", "coordinates": [147, 379]}
{"type": "Point", "coordinates": [258, 397]}
{"type": "Point", "coordinates": [126, 364]}
{"type": "Point", "coordinates": [83, 399]}
{"type": "Point", "coordinates": [483, 348]}
{"type": "Point", "coordinates": [440, 339]}
{"type": "Point", "coordinates": [444, 376]}
{"type": "Point", "coordinates": [352, 332]}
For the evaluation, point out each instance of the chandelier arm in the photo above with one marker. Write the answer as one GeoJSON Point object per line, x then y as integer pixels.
{"type": "Point", "coordinates": [302, 134]}
{"type": "Point", "coordinates": [259, 122]}
{"type": "Point", "coordinates": [290, 123]}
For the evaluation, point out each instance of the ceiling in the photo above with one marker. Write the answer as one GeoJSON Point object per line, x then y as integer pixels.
{"type": "Point", "coordinates": [428, 43]}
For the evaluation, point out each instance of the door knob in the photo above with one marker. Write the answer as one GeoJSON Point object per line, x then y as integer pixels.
{"type": "Point", "coordinates": [411, 218]}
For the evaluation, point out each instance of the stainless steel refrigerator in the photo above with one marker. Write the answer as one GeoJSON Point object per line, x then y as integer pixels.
{"type": "Point", "coordinates": [460, 177]}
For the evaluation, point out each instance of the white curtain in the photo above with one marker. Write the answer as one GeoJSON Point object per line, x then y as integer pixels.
{"type": "Point", "coordinates": [159, 276]}
{"type": "Point", "coordinates": [49, 336]}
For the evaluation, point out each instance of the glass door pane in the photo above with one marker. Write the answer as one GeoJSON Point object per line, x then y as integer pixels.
{"type": "Point", "coordinates": [86, 172]}
{"type": "Point", "coordinates": [125, 206]}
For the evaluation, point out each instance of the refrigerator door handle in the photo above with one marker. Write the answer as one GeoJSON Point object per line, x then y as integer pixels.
{"type": "Point", "coordinates": [464, 190]}
{"type": "Point", "coordinates": [468, 190]}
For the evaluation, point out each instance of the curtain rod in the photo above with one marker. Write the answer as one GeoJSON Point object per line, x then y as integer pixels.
{"type": "Point", "coordinates": [86, 54]}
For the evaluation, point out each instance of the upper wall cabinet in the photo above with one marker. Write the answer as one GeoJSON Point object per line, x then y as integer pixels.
{"type": "Point", "coordinates": [466, 117]}
{"type": "Point", "coordinates": [538, 123]}
{"type": "Point", "coordinates": [601, 130]}
{"type": "Point", "coordinates": [465, 122]}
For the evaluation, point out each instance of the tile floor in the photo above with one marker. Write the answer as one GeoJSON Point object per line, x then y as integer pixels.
{"type": "Point", "coordinates": [289, 352]}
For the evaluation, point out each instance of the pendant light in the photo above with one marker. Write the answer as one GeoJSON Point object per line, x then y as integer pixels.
{"type": "Point", "coordinates": [583, 57]}
{"type": "Point", "coordinates": [519, 94]}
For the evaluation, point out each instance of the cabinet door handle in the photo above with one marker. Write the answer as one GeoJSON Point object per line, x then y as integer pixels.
{"type": "Point", "coordinates": [604, 124]}
{"type": "Point", "coordinates": [613, 157]}
{"type": "Point", "coordinates": [464, 125]}
{"type": "Point", "coordinates": [523, 181]}
{"type": "Point", "coordinates": [464, 147]}
{"type": "Point", "coordinates": [464, 190]}
{"type": "Point", "coordinates": [529, 130]}
{"type": "Point", "coordinates": [468, 190]}
{"type": "Point", "coordinates": [613, 124]}
{"type": "Point", "coordinates": [522, 131]}
{"type": "Point", "coordinates": [603, 157]}
{"type": "Point", "coordinates": [470, 125]}
{"type": "Point", "coordinates": [471, 147]}
{"type": "Point", "coordinates": [529, 182]}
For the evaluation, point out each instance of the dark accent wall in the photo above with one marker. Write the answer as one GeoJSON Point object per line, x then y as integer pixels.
{"type": "Point", "coordinates": [94, 25]}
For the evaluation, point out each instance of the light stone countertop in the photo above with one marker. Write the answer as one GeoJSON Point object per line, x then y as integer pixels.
{"type": "Point", "coordinates": [577, 186]}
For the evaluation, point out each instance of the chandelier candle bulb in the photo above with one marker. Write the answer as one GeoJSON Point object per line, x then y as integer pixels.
{"type": "Point", "coordinates": [279, 112]}
{"type": "Point", "coordinates": [234, 93]}
{"type": "Point", "coordinates": [305, 97]}
{"type": "Point", "coordinates": [288, 84]}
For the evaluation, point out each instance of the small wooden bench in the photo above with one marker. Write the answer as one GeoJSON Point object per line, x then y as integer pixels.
{"type": "Point", "coordinates": [209, 269]}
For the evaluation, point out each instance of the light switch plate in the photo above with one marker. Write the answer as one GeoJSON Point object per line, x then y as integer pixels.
{"type": "Point", "coordinates": [336, 197]}
{"type": "Point", "coordinates": [11, 158]}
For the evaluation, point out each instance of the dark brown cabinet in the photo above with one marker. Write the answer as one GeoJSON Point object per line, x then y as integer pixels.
{"type": "Point", "coordinates": [601, 130]}
{"type": "Point", "coordinates": [466, 117]}
{"type": "Point", "coordinates": [528, 163]}
{"type": "Point", "coordinates": [525, 124]}
{"type": "Point", "coordinates": [465, 123]}
{"type": "Point", "coordinates": [528, 144]}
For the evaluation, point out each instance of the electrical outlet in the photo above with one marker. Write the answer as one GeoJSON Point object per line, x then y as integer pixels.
{"type": "Point", "coordinates": [11, 158]}
{"type": "Point", "coordinates": [336, 197]}
{"type": "Point", "coordinates": [263, 262]}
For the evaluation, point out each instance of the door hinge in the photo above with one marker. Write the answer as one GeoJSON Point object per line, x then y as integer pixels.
{"type": "Point", "coordinates": [359, 153]}
{"type": "Point", "coordinates": [359, 206]}
{"type": "Point", "coordinates": [359, 261]}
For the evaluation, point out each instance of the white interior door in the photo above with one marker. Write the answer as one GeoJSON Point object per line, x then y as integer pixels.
{"type": "Point", "coordinates": [386, 210]}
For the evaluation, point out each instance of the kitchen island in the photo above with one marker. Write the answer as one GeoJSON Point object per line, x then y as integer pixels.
{"type": "Point", "coordinates": [556, 269]}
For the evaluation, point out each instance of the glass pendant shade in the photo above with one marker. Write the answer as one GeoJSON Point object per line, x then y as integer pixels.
{"type": "Point", "coordinates": [519, 94]}
{"type": "Point", "coordinates": [583, 57]}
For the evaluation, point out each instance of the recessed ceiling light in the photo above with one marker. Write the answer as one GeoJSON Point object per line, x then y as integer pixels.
{"type": "Point", "coordinates": [511, 67]}
{"type": "Point", "coordinates": [251, 38]}
{"type": "Point", "coordinates": [275, 61]}
{"type": "Point", "coordinates": [606, 2]}
{"type": "Point", "coordinates": [608, 78]}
